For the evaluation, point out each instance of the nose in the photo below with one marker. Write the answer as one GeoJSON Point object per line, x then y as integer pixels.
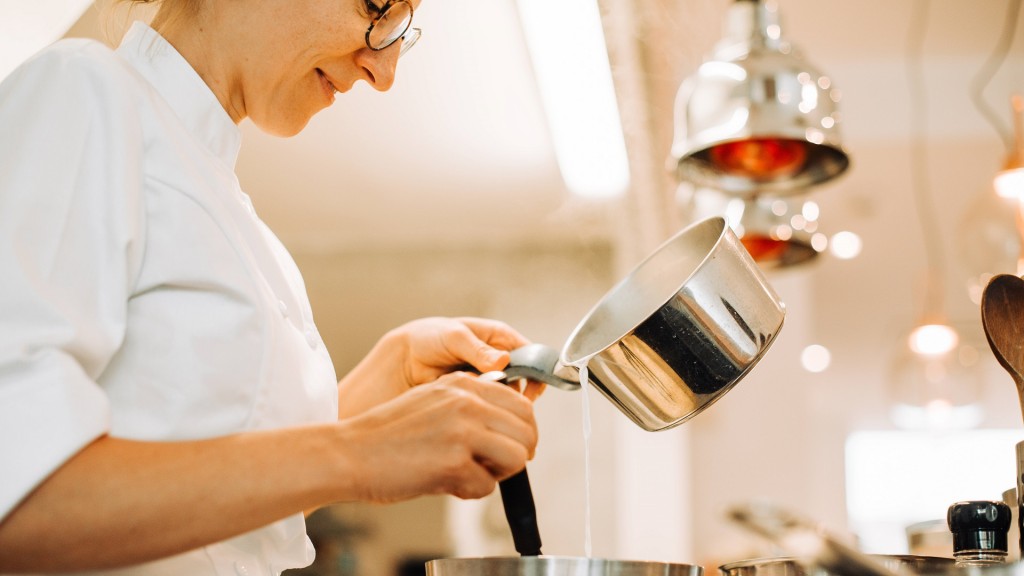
{"type": "Point", "coordinates": [379, 65]}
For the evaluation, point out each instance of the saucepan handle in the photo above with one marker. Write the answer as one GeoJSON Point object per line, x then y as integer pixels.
{"type": "Point", "coordinates": [541, 363]}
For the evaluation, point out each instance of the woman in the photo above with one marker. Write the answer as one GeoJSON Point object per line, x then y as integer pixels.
{"type": "Point", "coordinates": [166, 403]}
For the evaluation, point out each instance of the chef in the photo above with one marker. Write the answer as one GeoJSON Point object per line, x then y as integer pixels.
{"type": "Point", "coordinates": [167, 406]}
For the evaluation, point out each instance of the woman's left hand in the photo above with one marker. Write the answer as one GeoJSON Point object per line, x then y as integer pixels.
{"type": "Point", "coordinates": [422, 351]}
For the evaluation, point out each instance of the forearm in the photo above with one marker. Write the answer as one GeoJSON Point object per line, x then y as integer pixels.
{"type": "Point", "coordinates": [121, 502]}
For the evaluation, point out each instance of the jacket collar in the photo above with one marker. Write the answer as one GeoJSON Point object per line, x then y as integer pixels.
{"type": "Point", "coordinates": [183, 89]}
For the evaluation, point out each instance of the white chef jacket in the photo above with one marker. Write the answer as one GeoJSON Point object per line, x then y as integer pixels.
{"type": "Point", "coordinates": [140, 295]}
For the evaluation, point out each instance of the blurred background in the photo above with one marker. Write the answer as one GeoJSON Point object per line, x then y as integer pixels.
{"type": "Point", "coordinates": [454, 194]}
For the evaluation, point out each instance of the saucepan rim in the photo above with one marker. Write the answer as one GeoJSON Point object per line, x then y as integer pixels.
{"type": "Point", "coordinates": [717, 222]}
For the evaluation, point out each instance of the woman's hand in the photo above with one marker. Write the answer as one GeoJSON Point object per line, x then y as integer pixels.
{"type": "Point", "coordinates": [422, 351]}
{"type": "Point", "coordinates": [459, 435]}
{"type": "Point", "coordinates": [435, 346]}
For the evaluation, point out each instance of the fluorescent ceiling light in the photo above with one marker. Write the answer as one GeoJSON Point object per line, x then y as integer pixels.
{"type": "Point", "coordinates": [570, 60]}
{"type": "Point", "coordinates": [27, 26]}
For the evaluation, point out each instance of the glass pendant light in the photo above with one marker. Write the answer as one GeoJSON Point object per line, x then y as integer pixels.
{"type": "Point", "coordinates": [933, 374]}
{"type": "Point", "coordinates": [755, 118]}
{"type": "Point", "coordinates": [936, 390]}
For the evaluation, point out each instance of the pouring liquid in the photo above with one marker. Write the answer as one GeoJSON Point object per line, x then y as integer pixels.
{"type": "Point", "coordinates": [585, 389]}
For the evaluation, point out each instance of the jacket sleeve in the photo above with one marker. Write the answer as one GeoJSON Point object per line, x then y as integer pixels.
{"type": "Point", "coordinates": [70, 229]}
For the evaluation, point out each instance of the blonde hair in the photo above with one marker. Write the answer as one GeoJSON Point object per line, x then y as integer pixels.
{"type": "Point", "coordinates": [160, 13]}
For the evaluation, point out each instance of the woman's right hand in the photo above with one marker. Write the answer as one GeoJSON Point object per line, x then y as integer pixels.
{"type": "Point", "coordinates": [458, 435]}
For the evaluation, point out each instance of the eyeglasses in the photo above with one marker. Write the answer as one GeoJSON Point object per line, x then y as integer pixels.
{"type": "Point", "coordinates": [392, 24]}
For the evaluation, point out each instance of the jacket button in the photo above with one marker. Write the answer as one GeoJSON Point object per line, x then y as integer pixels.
{"type": "Point", "coordinates": [311, 338]}
{"type": "Point", "coordinates": [283, 308]}
{"type": "Point", "coordinates": [241, 569]}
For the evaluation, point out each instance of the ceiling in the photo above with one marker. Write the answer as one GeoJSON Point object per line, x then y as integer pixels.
{"type": "Point", "coordinates": [458, 151]}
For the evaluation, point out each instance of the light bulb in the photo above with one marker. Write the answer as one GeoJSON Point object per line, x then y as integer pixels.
{"type": "Point", "coordinates": [846, 245]}
{"type": "Point", "coordinates": [933, 339]}
{"type": "Point", "coordinates": [1010, 183]}
{"type": "Point", "coordinates": [815, 358]}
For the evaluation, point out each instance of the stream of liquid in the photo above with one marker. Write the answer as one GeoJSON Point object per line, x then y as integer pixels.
{"type": "Point", "coordinates": [585, 392]}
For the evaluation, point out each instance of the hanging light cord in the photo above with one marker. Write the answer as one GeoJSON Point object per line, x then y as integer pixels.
{"type": "Point", "coordinates": [988, 70]}
{"type": "Point", "coordinates": [933, 303]}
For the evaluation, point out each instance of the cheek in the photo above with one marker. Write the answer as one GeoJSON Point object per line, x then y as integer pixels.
{"type": "Point", "coordinates": [286, 112]}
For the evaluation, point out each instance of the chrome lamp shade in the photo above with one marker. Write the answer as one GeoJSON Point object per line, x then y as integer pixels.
{"type": "Point", "coordinates": [756, 118]}
{"type": "Point", "coordinates": [777, 232]}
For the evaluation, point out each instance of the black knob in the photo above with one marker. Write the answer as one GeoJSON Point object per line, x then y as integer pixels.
{"type": "Point", "coordinates": [979, 525]}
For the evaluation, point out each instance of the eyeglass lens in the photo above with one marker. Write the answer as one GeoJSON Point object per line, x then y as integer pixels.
{"type": "Point", "coordinates": [391, 25]}
{"type": "Point", "coordinates": [408, 40]}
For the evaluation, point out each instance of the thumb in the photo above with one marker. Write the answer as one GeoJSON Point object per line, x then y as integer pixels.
{"type": "Point", "coordinates": [481, 355]}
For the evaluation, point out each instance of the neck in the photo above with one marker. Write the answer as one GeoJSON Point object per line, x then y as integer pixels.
{"type": "Point", "coordinates": [196, 32]}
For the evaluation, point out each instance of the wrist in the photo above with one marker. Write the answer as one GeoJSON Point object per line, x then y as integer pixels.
{"type": "Point", "coordinates": [334, 473]}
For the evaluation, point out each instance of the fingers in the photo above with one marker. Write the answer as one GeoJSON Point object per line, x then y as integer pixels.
{"type": "Point", "coordinates": [502, 410]}
{"type": "Point", "coordinates": [499, 430]}
{"type": "Point", "coordinates": [476, 481]}
{"type": "Point", "coordinates": [495, 332]}
{"type": "Point", "coordinates": [486, 344]}
{"type": "Point", "coordinates": [457, 436]}
{"type": "Point", "coordinates": [529, 388]}
{"type": "Point", "coordinates": [502, 457]}
{"type": "Point", "coordinates": [533, 390]}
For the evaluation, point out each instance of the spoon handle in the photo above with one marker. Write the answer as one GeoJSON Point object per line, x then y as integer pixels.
{"type": "Point", "coordinates": [521, 513]}
{"type": "Point", "coordinates": [1019, 381]}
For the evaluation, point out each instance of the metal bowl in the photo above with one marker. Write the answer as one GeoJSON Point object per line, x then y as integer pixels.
{"type": "Point", "coordinates": [555, 566]}
{"type": "Point", "coordinates": [789, 566]}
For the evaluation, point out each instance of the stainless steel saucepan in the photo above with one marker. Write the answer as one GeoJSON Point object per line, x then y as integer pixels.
{"type": "Point", "coordinates": [666, 342]}
{"type": "Point", "coordinates": [674, 335]}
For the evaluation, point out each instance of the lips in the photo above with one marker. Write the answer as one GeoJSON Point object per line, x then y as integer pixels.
{"type": "Point", "coordinates": [328, 86]}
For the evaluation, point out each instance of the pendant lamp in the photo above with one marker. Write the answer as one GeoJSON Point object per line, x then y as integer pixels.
{"type": "Point", "coordinates": [1009, 182]}
{"type": "Point", "coordinates": [756, 118]}
{"type": "Point", "coordinates": [777, 232]}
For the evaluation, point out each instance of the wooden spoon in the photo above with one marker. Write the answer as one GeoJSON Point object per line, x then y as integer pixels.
{"type": "Point", "coordinates": [1002, 315]}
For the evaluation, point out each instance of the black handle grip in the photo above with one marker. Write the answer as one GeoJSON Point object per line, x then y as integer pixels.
{"type": "Point", "coordinates": [517, 498]}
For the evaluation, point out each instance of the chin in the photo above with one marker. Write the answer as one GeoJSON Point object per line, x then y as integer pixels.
{"type": "Point", "coordinates": [283, 126]}
{"type": "Point", "coordinates": [284, 130]}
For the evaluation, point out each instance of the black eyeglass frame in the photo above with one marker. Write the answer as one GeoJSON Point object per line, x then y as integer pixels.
{"type": "Point", "coordinates": [383, 12]}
